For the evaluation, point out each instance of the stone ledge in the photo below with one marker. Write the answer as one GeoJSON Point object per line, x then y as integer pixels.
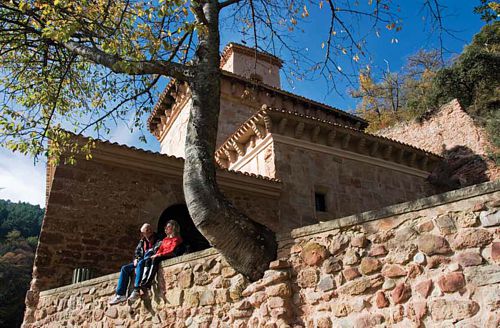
{"type": "Point", "coordinates": [331, 136]}
{"type": "Point", "coordinates": [398, 209]}
{"type": "Point", "coordinates": [114, 276]}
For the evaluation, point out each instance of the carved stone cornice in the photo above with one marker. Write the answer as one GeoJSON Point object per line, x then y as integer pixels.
{"type": "Point", "coordinates": [172, 101]}
{"type": "Point", "coordinates": [232, 47]}
{"type": "Point", "coordinates": [238, 89]}
{"type": "Point", "coordinates": [255, 94]}
{"type": "Point", "coordinates": [253, 129]}
{"type": "Point", "coordinates": [348, 141]}
{"type": "Point", "coordinates": [255, 148]}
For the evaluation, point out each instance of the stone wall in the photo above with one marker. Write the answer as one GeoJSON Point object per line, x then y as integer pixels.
{"type": "Point", "coordinates": [233, 112]}
{"type": "Point", "coordinates": [247, 65]}
{"type": "Point", "coordinates": [173, 141]}
{"type": "Point", "coordinates": [349, 185]}
{"type": "Point", "coordinates": [95, 210]}
{"type": "Point", "coordinates": [91, 225]}
{"type": "Point", "coordinates": [433, 262]}
{"type": "Point", "coordinates": [448, 127]}
{"type": "Point", "coordinates": [258, 159]}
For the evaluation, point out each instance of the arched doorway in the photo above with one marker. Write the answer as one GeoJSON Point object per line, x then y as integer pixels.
{"type": "Point", "coordinates": [191, 236]}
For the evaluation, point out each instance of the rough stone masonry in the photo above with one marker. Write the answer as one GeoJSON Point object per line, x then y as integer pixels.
{"type": "Point", "coordinates": [434, 262]}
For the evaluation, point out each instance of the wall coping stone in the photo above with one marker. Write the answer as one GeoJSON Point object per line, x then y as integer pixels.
{"type": "Point", "coordinates": [114, 276]}
{"type": "Point", "coordinates": [392, 210]}
{"type": "Point", "coordinates": [398, 209]}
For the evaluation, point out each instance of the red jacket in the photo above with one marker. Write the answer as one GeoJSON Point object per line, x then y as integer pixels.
{"type": "Point", "coordinates": [168, 245]}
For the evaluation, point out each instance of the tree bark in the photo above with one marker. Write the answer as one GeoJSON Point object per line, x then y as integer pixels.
{"type": "Point", "coordinates": [247, 245]}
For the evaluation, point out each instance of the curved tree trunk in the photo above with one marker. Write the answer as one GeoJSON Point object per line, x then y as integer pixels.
{"type": "Point", "coordinates": [247, 245]}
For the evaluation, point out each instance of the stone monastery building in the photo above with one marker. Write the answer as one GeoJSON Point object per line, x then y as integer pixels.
{"type": "Point", "coordinates": [285, 160]}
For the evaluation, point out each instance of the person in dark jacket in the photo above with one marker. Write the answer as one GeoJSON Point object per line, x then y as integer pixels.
{"type": "Point", "coordinates": [166, 250]}
{"type": "Point", "coordinates": [147, 246]}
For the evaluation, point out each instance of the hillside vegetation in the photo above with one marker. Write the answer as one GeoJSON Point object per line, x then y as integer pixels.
{"type": "Point", "coordinates": [425, 84]}
{"type": "Point", "coordinates": [19, 229]}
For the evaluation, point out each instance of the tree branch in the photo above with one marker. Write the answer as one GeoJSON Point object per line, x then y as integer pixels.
{"type": "Point", "coordinates": [118, 65]}
{"type": "Point", "coordinates": [54, 106]}
{"type": "Point", "coordinates": [227, 3]}
{"type": "Point", "coordinates": [199, 14]}
{"type": "Point", "coordinates": [120, 104]}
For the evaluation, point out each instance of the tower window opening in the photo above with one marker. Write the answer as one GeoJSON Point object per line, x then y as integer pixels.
{"type": "Point", "coordinates": [320, 201]}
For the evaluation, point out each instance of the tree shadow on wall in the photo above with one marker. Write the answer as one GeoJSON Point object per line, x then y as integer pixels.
{"type": "Point", "coordinates": [156, 294]}
{"type": "Point", "coordinates": [460, 168]}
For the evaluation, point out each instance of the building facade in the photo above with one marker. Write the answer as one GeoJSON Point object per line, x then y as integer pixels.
{"type": "Point", "coordinates": [284, 160]}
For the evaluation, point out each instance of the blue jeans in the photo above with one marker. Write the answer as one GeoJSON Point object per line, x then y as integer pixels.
{"type": "Point", "coordinates": [125, 273]}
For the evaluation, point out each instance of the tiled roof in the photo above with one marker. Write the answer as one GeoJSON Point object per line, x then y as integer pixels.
{"type": "Point", "coordinates": [166, 156]}
{"type": "Point", "coordinates": [264, 56]}
{"type": "Point", "coordinates": [229, 75]}
{"type": "Point", "coordinates": [320, 105]}
{"type": "Point", "coordinates": [262, 118]}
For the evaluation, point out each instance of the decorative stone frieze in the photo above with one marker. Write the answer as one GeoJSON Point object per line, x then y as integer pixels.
{"type": "Point", "coordinates": [246, 91]}
{"type": "Point", "coordinates": [324, 133]}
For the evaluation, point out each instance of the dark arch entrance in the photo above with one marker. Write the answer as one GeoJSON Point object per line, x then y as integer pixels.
{"type": "Point", "coordinates": [192, 238]}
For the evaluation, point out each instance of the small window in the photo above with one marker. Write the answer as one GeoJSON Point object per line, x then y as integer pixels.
{"type": "Point", "coordinates": [320, 201]}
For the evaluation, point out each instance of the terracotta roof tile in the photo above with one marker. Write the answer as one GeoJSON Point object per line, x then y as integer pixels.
{"type": "Point", "coordinates": [265, 110]}
{"type": "Point", "coordinates": [262, 55]}
{"type": "Point", "coordinates": [225, 74]}
{"type": "Point", "coordinates": [322, 106]}
{"type": "Point", "coordinates": [153, 153]}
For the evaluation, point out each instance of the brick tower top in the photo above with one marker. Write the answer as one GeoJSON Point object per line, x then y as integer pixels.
{"type": "Point", "coordinates": [252, 64]}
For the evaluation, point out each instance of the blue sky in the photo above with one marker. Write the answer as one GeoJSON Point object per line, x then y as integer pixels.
{"type": "Point", "coordinates": [21, 180]}
{"type": "Point", "coordinates": [458, 18]}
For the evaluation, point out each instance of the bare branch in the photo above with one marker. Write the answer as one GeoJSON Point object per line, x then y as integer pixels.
{"type": "Point", "coordinates": [254, 27]}
{"type": "Point", "coordinates": [120, 104]}
{"type": "Point", "coordinates": [178, 46]}
{"type": "Point", "coordinates": [118, 65]}
{"type": "Point", "coordinates": [227, 3]}
{"type": "Point", "coordinates": [54, 106]}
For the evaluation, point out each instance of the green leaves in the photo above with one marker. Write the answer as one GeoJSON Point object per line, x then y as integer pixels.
{"type": "Point", "coordinates": [397, 96]}
{"type": "Point", "coordinates": [19, 229]}
{"type": "Point", "coordinates": [489, 10]}
{"type": "Point", "coordinates": [46, 89]}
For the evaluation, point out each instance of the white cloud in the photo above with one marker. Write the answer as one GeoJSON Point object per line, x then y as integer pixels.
{"type": "Point", "coordinates": [122, 135]}
{"type": "Point", "coordinates": [20, 179]}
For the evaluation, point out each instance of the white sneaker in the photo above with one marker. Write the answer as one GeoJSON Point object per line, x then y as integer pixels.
{"type": "Point", "coordinates": [117, 299]}
{"type": "Point", "coordinates": [134, 296]}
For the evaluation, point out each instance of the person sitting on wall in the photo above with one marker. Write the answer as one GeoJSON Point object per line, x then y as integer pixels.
{"type": "Point", "coordinates": [146, 247]}
{"type": "Point", "coordinates": [168, 249]}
